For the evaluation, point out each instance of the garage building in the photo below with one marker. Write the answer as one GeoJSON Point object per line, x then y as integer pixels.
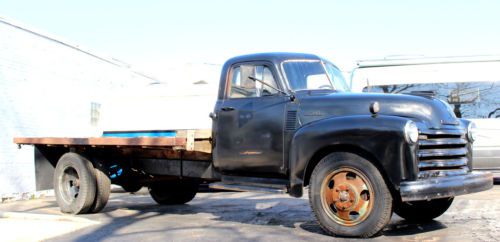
{"type": "Point", "coordinates": [48, 87]}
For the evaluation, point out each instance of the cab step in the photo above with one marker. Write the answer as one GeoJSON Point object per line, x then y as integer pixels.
{"type": "Point", "coordinates": [251, 184]}
{"type": "Point", "coordinates": [246, 188]}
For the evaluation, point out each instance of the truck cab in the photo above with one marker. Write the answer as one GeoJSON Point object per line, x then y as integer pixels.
{"type": "Point", "coordinates": [291, 117]}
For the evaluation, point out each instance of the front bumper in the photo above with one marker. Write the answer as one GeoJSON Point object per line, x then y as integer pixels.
{"type": "Point", "coordinates": [450, 186]}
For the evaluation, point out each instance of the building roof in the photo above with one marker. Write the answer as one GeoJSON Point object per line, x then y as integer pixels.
{"type": "Point", "coordinates": [61, 41]}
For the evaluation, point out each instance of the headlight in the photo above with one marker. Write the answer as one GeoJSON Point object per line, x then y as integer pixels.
{"type": "Point", "coordinates": [411, 132]}
{"type": "Point", "coordinates": [471, 131]}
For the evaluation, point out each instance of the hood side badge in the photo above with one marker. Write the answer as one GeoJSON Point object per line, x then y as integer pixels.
{"type": "Point", "coordinates": [450, 122]}
{"type": "Point", "coordinates": [374, 108]}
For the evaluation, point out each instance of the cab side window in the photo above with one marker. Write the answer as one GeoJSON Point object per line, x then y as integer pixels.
{"type": "Point", "coordinates": [243, 87]}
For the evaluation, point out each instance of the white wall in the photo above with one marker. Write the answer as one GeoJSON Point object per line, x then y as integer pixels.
{"type": "Point", "coordinates": [175, 103]}
{"type": "Point", "coordinates": [46, 89]}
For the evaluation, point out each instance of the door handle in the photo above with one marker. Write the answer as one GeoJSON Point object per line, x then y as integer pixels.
{"type": "Point", "coordinates": [227, 109]}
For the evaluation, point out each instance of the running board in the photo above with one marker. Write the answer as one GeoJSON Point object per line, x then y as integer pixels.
{"type": "Point", "coordinates": [248, 188]}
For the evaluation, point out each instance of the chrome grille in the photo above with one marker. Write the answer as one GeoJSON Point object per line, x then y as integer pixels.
{"type": "Point", "coordinates": [442, 153]}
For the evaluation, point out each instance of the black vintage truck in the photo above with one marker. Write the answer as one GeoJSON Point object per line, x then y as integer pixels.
{"type": "Point", "coordinates": [282, 122]}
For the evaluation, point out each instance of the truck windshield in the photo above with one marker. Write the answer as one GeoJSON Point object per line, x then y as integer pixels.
{"type": "Point", "coordinates": [314, 74]}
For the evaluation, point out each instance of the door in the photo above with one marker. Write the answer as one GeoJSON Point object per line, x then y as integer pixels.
{"type": "Point", "coordinates": [250, 123]}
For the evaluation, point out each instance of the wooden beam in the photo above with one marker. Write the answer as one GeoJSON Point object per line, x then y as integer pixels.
{"type": "Point", "coordinates": [198, 133]}
{"type": "Point", "coordinates": [190, 140]}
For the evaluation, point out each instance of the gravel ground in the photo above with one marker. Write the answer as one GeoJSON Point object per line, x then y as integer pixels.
{"type": "Point", "coordinates": [232, 216]}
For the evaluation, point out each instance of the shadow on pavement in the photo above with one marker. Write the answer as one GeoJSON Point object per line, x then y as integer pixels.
{"type": "Point", "coordinates": [403, 228]}
{"type": "Point", "coordinates": [132, 217]}
{"type": "Point", "coordinates": [394, 229]}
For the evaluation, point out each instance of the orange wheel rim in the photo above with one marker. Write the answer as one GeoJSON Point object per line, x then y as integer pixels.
{"type": "Point", "coordinates": [347, 196]}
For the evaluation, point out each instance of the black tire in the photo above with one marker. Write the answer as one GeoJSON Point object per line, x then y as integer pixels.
{"type": "Point", "coordinates": [349, 196]}
{"type": "Point", "coordinates": [103, 189]}
{"type": "Point", "coordinates": [422, 211]}
{"type": "Point", "coordinates": [131, 187]}
{"type": "Point", "coordinates": [74, 184]}
{"type": "Point", "coordinates": [173, 192]}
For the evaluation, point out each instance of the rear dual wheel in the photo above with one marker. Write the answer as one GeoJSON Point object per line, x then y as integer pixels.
{"type": "Point", "coordinates": [131, 187]}
{"type": "Point", "coordinates": [174, 192]}
{"type": "Point", "coordinates": [78, 186]}
{"type": "Point", "coordinates": [349, 196]}
{"type": "Point", "coordinates": [103, 189]}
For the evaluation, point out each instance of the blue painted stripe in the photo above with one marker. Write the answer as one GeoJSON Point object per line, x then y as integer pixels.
{"type": "Point", "coordinates": [133, 134]}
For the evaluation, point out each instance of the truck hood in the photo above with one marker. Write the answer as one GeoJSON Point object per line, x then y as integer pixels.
{"type": "Point", "coordinates": [319, 104]}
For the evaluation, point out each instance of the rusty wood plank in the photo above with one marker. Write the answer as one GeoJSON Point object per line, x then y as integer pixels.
{"type": "Point", "coordinates": [104, 141]}
{"type": "Point", "coordinates": [203, 134]}
{"type": "Point", "coordinates": [197, 155]}
{"type": "Point", "coordinates": [203, 146]}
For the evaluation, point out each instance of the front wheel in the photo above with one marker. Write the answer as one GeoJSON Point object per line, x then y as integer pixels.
{"type": "Point", "coordinates": [422, 211]}
{"type": "Point", "coordinates": [174, 192]}
{"type": "Point", "coordinates": [349, 196]}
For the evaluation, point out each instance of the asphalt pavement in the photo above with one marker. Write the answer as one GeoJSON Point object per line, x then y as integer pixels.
{"type": "Point", "coordinates": [231, 216]}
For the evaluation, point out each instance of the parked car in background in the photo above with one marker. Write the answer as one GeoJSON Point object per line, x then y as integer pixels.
{"type": "Point", "coordinates": [470, 85]}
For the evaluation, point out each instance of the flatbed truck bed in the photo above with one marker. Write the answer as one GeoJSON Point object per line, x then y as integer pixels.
{"type": "Point", "coordinates": [189, 140]}
{"type": "Point", "coordinates": [187, 154]}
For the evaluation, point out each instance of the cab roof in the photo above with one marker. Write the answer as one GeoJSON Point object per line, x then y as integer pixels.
{"type": "Point", "coordinates": [272, 56]}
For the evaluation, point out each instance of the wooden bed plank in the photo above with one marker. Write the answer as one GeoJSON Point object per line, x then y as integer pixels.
{"type": "Point", "coordinates": [103, 141]}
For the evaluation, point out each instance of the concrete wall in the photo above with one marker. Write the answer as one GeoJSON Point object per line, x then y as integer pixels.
{"type": "Point", "coordinates": [47, 88]}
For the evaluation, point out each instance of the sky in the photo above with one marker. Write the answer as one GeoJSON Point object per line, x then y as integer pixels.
{"type": "Point", "coordinates": [153, 35]}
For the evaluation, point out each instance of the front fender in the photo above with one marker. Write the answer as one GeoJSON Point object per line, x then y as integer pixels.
{"type": "Point", "coordinates": [379, 139]}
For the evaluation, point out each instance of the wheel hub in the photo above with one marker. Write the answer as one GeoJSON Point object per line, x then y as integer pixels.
{"type": "Point", "coordinates": [70, 184]}
{"type": "Point", "coordinates": [347, 196]}
{"type": "Point", "coordinates": [344, 197]}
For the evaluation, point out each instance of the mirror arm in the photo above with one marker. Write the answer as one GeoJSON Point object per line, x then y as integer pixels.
{"type": "Point", "coordinates": [292, 96]}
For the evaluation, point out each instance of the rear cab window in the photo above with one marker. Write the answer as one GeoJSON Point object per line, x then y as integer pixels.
{"type": "Point", "coordinates": [241, 86]}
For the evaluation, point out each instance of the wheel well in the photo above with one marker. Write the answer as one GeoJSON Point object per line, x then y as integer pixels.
{"type": "Point", "coordinates": [320, 154]}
